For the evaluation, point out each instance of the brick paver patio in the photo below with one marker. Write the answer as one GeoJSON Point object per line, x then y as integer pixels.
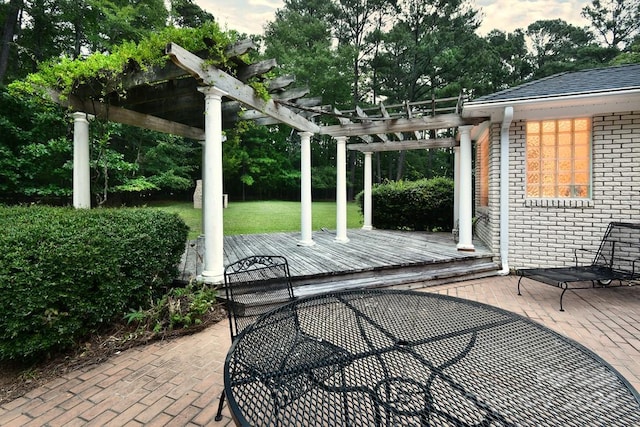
{"type": "Point", "coordinates": [178, 382]}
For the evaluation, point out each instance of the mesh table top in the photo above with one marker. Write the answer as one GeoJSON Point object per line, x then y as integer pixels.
{"type": "Point", "coordinates": [386, 358]}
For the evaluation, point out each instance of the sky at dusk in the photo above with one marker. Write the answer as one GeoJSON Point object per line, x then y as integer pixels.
{"type": "Point", "coordinates": [250, 16]}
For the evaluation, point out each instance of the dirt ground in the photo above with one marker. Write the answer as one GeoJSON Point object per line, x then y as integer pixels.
{"type": "Point", "coordinates": [17, 379]}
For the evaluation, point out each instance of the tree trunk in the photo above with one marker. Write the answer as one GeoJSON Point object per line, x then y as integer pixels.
{"type": "Point", "coordinates": [77, 39]}
{"type": "Point", "coordinates": [400, 171]}
{"type": "Point", "coordinates": [8, 32]}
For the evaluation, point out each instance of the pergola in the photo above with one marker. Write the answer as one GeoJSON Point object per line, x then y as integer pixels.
{"type": "Point", "coordinates": [189, 97]}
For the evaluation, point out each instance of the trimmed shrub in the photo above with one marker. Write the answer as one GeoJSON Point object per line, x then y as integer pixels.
{"type": "Point", "coordinates": [66, 272]}
{"type": "Point", "coordinates": [421, 205]}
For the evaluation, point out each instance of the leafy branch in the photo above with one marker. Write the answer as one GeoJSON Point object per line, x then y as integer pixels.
{"type": "Point", "coordinates": [109, 68]}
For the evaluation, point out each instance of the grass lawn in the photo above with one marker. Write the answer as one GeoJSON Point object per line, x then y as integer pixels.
{"type": "Point", "coordinates": [263, 216]}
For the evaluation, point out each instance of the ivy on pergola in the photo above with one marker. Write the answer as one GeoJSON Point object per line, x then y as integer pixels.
{"type": "Point", "coordinates": [154, 85]}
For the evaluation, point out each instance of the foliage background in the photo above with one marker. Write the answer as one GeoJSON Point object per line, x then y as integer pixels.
{"type": "Point", "coordinates": [346, 52]}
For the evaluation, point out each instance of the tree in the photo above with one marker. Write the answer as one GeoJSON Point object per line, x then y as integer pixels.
{"type": "Point", "coordinates": [170, 163]}
{"type": "Point", "coordinates": [357, 22]}
{"type": "Point", "coordinates": [259, 162]}
{"type": "Point", "coordinates": [35, 150]}
{"type": "Point", "coordinates": [630, 57]}
{"type": "Point", "coordinates": [300, 40]}
{"type": "Point", "coordinates": [11, 13]}
{"type": "Point", "coordinates": [185, 13]}
{"type": "Point", "coordinates": [127, 20]}
{"type": "Point", "coordinates": [79, 30]}
{"type": "Point", "coordinates": [428, 48]}
{"type": "Point", "coordinates": [432, 51]}
{"type": "Point", "coordinates": [510, 62]}
{"type": "Point", "coordinates": [558, 46]}
{"type": "Point", "coordinates": [129, 161]}
{"type": "Point", "coordinates": [39, 38]}
{"type": "Point", "coordinates": [617, 22]}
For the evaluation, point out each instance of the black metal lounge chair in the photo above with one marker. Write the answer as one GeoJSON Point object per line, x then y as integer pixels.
{"type": "Point", "coordinates": [617, 259]}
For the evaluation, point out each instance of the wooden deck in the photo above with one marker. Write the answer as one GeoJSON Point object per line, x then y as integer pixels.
{"type": "Point", "coordinates": [370, 258]}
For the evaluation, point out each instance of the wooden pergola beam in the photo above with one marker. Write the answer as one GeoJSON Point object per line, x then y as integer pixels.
{"type": "Point", "coordinates": [345, 121]}
{"type": "Point", "coordinates": [234, 88]}
{"type": "Point", "coordinates": [444, 121]}
{"type": "Point", "coordinates": [240, 48]}
{"type": "Point", "coordinates": [386, 115]}
{"type": "Point", "coordinates": [170, 90]}
{"type": "Point", "coordinates": [169, 71]}
{"type": "Point", "coordinates": [279, 83]}
{"type": "Point", "coordinates": [403, 145]}
{"type": "Point", "coordinates": [128, 117]}
{"type": "Point", "coordinates": [383, 137]}
{"type": "Point", "coordinates": [257, 69]}
{"type": "Point", "coordinates": [291, 94]}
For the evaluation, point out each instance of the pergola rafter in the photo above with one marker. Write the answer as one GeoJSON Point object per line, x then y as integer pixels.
{"type": "Point", "coordinates": [211, 76]}
{"type": "Point", "coordinates": [385, 126]}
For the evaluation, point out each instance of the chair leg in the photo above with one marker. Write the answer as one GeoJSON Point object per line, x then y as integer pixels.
{"type": "Point", "coordinates": [220, 405]}
{"type": "Point", "coordinates": [564, 289]}
{"type": "Point", "coordinates": [519, 280]}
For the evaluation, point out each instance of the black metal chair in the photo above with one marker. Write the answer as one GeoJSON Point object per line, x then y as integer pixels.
{"type": "Point", "coordinates": [253, 286]}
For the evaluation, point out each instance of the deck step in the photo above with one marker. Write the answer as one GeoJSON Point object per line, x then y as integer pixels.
{"type": "Point", "coordinates": [401, 278]}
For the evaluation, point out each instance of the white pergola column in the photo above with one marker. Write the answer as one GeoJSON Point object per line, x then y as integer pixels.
{"type": "Point", "coordinates": [202, 173]}
{"type": "Point", "coordinates": [213, 226]}
{"type": "Point", "coordinates": [465, 240]}
{"type": "Point", "coordinates": [341, 190]}
{"type": "Point", "coordinates": [367, 192]}
{"type": "Point", "coordinates": [305, 190]}
{"type": "Point", "coordinates": [456, 187]}
{"type": "Point", "coordinates": [81, 167]}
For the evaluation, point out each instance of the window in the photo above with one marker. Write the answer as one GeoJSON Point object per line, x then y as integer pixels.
{"type": "Point", "coordinates": [558, 158]}
{"type": "Point", "coordinates": [482, 156]}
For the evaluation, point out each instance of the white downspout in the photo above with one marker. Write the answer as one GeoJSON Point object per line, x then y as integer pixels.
{"type": "Point", "coordinates": [504, 190]}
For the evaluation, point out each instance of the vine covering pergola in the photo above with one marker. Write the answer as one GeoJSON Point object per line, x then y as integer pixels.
{"type": "Point", "coordinates": [196, 98]}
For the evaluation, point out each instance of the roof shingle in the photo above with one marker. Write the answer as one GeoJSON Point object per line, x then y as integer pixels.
{"type": "Point", "coordinates": [610, 79]}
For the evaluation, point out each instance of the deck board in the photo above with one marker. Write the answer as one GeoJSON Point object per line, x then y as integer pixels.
{"type": "Point", "coordinates": [367, 250]}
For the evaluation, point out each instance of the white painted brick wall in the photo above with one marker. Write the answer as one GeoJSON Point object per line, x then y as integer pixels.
{"type": "Point", "coordinates": [545, 232]}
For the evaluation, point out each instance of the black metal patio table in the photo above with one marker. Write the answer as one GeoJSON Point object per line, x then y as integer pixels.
{"type": "Point", "coordinates": [405, 358]}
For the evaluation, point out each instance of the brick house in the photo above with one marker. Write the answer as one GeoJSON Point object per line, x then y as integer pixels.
{"type": "Point", "coordinates": [558, 160]}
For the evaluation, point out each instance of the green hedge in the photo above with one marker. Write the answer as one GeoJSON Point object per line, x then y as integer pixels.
{"type": "Point", "coordinates": [412, 205]}
{"type": "Point", "coordinates": [66, 272]}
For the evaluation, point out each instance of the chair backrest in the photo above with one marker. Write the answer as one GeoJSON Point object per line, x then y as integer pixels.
{"type": "Point", "coordinates": [253, 286]}
{"type": "Point", "coordinates": [620, 249]}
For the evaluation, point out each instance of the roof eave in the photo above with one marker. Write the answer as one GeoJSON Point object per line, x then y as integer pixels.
{"type": "Point", "coordinates": [573, 105]}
